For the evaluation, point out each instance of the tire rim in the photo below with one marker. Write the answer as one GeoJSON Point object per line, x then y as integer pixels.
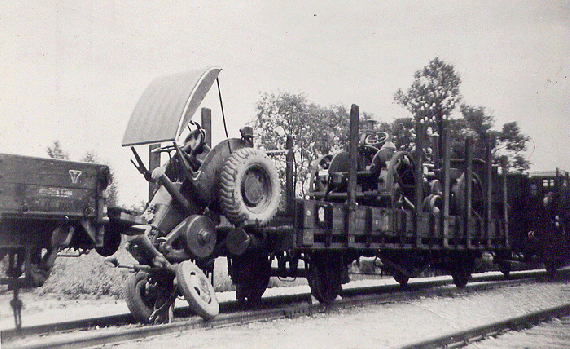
{"type": "Point", "coordinates": [143, 289]}
{"type": "Point", "coordinates": [201, 288]}
{"type": "Point", "coordinates": [256, 189]}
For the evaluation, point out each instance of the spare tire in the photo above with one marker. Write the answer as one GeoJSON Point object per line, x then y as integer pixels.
{"type": "Point", "coordinates": [250, 187]}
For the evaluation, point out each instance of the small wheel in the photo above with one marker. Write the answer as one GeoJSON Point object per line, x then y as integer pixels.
{"type": "Point", "coordinates": [197, 290]}
{"type": "Point", "coordinates": [140, 296]}
{"type": "Point", "coordinates": [250, 188]}
{"type": "Point", "coordinates": [325, 278]}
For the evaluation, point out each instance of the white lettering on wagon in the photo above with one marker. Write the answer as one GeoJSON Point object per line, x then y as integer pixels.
{"type": "Point", "coordinates": [57, 192]}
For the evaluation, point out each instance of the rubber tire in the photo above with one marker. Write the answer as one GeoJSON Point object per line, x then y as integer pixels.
{"type": "Point", "coordinates": [192, 282]}
{"type": "Point", "coordinates": [234, 206]}
{"type": "Point", "coordinates": [325, 278]}
{"type": "Point", "coordinates": [140, 305]}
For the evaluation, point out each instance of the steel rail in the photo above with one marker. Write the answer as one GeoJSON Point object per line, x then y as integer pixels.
{"type": "Point", "coordinates": [352, 298]}
{"type": "Point", "coordinates": [476, 334]}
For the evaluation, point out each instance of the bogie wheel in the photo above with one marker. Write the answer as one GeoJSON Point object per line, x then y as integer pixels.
{"type": "Point", "coordinates": [197, 290]}
{"type": "Point", "coordinates": [461, 271]}
{"type": "Point", "coordinates": [111, 240]}
{"type": "Point", "coordinates": [140, 296]}
{"type": "Point", "coordinates": [402, 279]}
{"type": "Point", "coordinates": [505, 268]}
{"type": "Point", "coordinates": [251, 273]}
{"type": "Point", "coordinates": [250, 187]}
{"type": "Point", "coordinates": [325, 277]}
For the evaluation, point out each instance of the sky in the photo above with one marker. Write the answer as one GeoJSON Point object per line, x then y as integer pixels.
{"type": "Point", "coordinates": [73, 71]}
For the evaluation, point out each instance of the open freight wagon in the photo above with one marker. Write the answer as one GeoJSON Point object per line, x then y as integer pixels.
{"type": "Point", "coordinates": [48, 205]}
{"type": "Point", "coordinates": [408, 213]}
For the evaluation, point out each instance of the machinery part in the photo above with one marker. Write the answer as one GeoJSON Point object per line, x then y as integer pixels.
{"type": "Point", "coordinates": [250, 273]}
{"type": "Point", "coordinates": [163, 311]}
{"type": "Point", "coordinates": [325, 277]}
{"type": "Point", "coordinates": [238, 241]}
{"type": "Point", "coordinates": [197, 290]}
{"type": "Point", "coordinates": [250, 188]}
{"type": "Point", "coordinates": [460, 201]}
{"type": "Point", "coordinates": [199, 235]}
{"type": "Point", "coordinates": [111, 239]}
{"type": "Point", "coordinates": [399, 180]}
{"type": "Point", "coordinates": [141, 296]}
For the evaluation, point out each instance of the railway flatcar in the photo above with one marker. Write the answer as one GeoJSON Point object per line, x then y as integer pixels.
{"type": "Point", "coordinates": [368, 201]}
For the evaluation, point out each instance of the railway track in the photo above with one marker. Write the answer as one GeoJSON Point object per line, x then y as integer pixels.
{"type": "Point", "coordinates": [120, 328]}
{"type": "Point", "coordinates": [472, 337]}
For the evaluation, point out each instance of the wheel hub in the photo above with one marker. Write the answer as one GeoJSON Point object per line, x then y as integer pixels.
{"type": "Point", "coordinates": [253, 189]}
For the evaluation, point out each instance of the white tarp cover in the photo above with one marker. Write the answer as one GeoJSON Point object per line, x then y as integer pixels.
{"type": "Point", "coordinates": [167, 104]}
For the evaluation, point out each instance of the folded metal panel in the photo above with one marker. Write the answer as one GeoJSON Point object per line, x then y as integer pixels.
{"type": "Point", "coordinates": [168, 103]}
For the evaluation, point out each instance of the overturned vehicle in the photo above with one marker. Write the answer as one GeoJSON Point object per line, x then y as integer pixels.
{"type": "Point", "coordinates": [205, 211]}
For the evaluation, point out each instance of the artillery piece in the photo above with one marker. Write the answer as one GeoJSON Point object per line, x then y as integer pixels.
{"type": "Point", "coordinates": [236, 187]}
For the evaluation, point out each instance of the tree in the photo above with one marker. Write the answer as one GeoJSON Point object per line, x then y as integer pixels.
{"type": "Point", "coordinates": [510, 146]}
{"type": "Point", "coordinates": [431, 99]}
{"type": "Point", "coordinates": [316, 130]}
{"type": "Point", "coordinates": [55, 152]}
{"type": "Point", "coordinates": [434, 92]}
{"type": "Point", "coordinates": [433, 95]}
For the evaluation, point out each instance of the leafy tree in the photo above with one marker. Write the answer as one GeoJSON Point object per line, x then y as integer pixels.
{"type": "Point", "coordinates": [316, 130]}
{"type": "Point", "coordinates": [55, 152]}
{"type": "Point", "coordinates": [510, 146]}
{"type": "Point", "coordinates": [432, 97]}
{"type": "Point", "coordinates": [434, 92]}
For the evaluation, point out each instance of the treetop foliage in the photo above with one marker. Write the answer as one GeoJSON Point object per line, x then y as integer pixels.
{"type": "Point", "coordinates": [316, 130]}
{"type": "Point", "coordinates": [432, 97]}
{"type": "Point", "coordinates": [56, 152]}
{"type": "Point", "coordinates": [434, 92]}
